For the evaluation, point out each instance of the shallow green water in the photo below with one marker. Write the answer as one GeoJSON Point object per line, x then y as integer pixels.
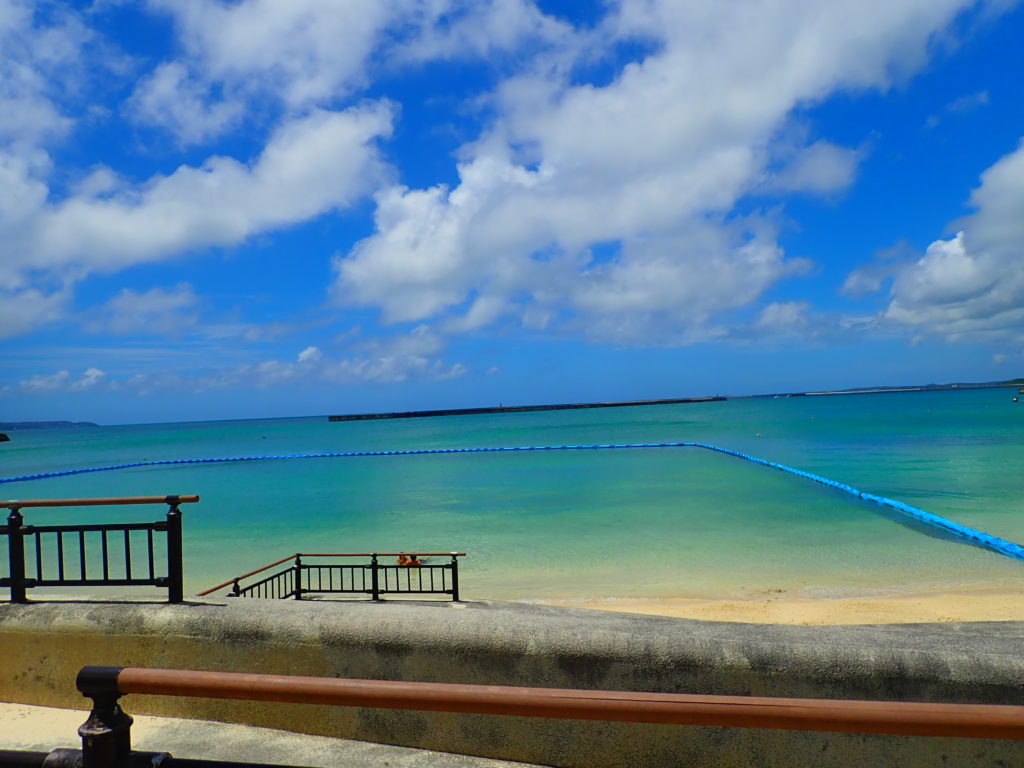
{"type": "Point", "coordinates": [586, 524]}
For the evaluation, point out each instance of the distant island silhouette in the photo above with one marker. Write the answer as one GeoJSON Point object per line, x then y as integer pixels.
{"type": "Point", "coordinates": [13, 425]}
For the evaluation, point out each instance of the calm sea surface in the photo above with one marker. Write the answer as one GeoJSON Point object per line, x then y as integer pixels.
{"type": "Point", "coordinates": [658, 522]}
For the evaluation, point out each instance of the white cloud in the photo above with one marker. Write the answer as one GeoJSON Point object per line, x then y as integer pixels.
{"type": "Point", "coordinates": [411, 356]}
{"type": "Point", "coordinates": [310, 355]}
{"type": "Point", "coordinates": [38, 59]}
{"type": "Point", "coordinates": [46, 383]}
{"type": "Point", "coordinates": [90, 378]}
{"type": "Point", "coordinates": [820, 168]}
{"type": "Point", "coordinates": [319, 163]}
{"type": "Point", "coordinates": [61, 381]}
{"type": "Point", "coordinates": [302, 52]}
{"type": "Point", "coordinates": [968, 103]}
{"type": "Point", "coordinates": [156, 311]}
{"type": "Point", "coordinates": [784, 316]}
{"type": "Point", "coordinates": [23, 310]}
{"type": "Point", "coordinates": [310, 166]}
{"type": "Point", "coordinates": [54, 231]}
{"type": "Point", "coordinates": [971, 286]}
{"type": "Point", "coordinates": [654, 163]}
{"type": "Point", "coordinates": [167, 97]}
{"type": "Point", "coordinates": [308, 53]}
{"type": "Point", "coordinates": [482, 29]}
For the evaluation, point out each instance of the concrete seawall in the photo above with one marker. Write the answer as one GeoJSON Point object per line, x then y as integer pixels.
{"type": "Point", "coordinates": [43, 646]}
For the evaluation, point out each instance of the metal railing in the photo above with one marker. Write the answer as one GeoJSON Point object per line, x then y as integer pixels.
{"type": "Point", "coordinates": [93, 555]}
{"type": "Point", "coordinates": [300, 578]}
{"type": "Point", "coordinates": [106, 734]}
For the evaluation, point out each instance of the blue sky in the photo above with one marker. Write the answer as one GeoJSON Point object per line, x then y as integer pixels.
{"type": "Point", "coordinates": [256, 208]}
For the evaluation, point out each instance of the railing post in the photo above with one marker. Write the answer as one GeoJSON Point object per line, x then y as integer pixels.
{"type": "Point", "coordinates": [175, 575]}
{"type": "Point", "coordinates": [374, 583]}
{"type": "Point", "coordinates": [455, 578]}
{"type": "Point", "coordinates": [16, 555]}
{"type": "Point", "coordinates": [298, 577]}
{"type": "Point", "coordinates": [106, 734]}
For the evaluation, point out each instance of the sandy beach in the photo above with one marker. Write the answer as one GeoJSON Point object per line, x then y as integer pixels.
{"type": "Point", "coordinates": [779, 607]}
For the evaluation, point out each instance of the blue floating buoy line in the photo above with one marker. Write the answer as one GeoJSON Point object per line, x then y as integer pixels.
{"type": "Point", "coordinates": [979, 538]}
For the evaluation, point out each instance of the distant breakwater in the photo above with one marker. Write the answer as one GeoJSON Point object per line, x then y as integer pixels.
{"type": "Point", "coordinates": [518, 409]}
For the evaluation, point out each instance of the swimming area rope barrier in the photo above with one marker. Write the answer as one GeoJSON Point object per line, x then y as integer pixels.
{"type": "Point", "coordinates": [979, 538]}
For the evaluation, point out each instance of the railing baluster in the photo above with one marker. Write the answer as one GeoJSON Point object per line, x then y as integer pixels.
{"type": "Point", "coordinates": [60, 555]}
{"type": "Point", "coordinates": [455, 578]}
{"type": "Point", "coordinates": [127, 554]}
{"type": "Point", "coordinates": [106, 558]}
{"type": "Point", "coordinates": [16, 556]}
{"type": "Point", "coordinates": [149, 544]}
{"type": "Point", "coordinates": [374, 573]}
{"type": "Point", "coordinates": [39, 556]}
{"type": "Point", "coordinates": [175, 567]}
{"type": "Point", "coordinates": [81, 553]}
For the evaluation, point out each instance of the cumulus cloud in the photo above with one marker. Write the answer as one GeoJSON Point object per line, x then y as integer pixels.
{"type": "Point", "coordinates": [310, 166]}
{"type": "Point", "coordinates": [308, 53]}
{"type": "Point", "coordinates": [319, 163]}
{"type": "Point", "coordinates": [403, 357]}
{"type": "Point", "coordinates": [39, 54]}
{"type": "Point", "coordinates": [784, 316]}
{"type": "Point", "coordinates": [968, 103]}
{"type": "Point", "coordinates": [310, 355]}
{"type": "Point", "coordinates": [169, 98]}
{"type": "Point", "coordinates": [303, 52]}
{"type": "Point", "coordinates": [62, 381]}
{"type": "Point", "coordinates": [820, 168]}
{"type": "Point", "coordinates": [412, 356]}
{"type": "Point", "coordinates": [156, 311]}
{"type": "Point", "coordinates": [970, 286]}
{"type": "Point", "coordinates": [609, 209]}
{"type": "Point", "coordinates": [650, 167]}
{"type": "Point", "coordinates": [23, 310]}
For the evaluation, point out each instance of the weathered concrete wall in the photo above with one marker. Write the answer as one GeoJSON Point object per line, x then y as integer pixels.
{"type": "Point", "coordinates": [44, 645]}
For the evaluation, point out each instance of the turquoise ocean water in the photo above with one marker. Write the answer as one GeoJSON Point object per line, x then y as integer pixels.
{"type": "Point", "coordinates": [636, 523]}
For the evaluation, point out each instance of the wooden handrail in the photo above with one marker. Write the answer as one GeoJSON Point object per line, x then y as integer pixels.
{"type": "Point", "coordinates": [418, 552]}
{"type": "Point", "coordinates": [230, 582]}
{"type": "Point", "coordinates": [885, 717]}
{"type": "Point", "coordinates": [16, 504]}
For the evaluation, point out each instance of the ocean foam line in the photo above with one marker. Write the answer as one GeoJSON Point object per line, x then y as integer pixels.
{"type": "Point", "coordinates": [979, 538]}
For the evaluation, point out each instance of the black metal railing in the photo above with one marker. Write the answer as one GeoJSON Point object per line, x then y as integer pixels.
{"type": "Point", "coordinates": [94, 555]}
{"type": "Point", "coordinates": [372, 578]}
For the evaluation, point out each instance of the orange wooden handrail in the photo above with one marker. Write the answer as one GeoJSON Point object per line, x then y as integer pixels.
{"type": "Point", "coordinates": [16, 504]}
{"type": "Point", "coordinates": [419, 552]}
{"type": "Point", "coordinates": [229, 582]}
{"type": "Point", "coordinates": [884, 717]}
